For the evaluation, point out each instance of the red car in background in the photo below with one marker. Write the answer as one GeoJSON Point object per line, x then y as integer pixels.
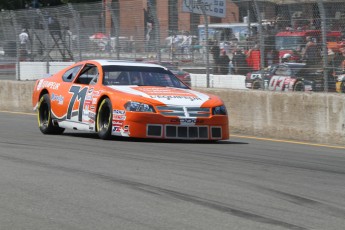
{"type": "Point", "coordinates": [180, 74]}
{"type": "Point", "coordinates": [290, 77]}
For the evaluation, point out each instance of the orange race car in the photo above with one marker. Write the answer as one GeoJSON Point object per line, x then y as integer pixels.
{"type": "Point", "coordinates": [130, 99]}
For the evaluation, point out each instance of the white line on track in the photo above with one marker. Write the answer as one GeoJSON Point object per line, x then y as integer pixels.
{"type": "Point", "coordinates": [289, 141]}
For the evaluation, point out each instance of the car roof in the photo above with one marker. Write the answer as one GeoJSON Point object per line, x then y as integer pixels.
{"type": "Point", "coordinates": [294, 64]}
{"type": "Point", "coordinates": [290, 64]}
{"type": "Point", "coordinates": [104, 62]}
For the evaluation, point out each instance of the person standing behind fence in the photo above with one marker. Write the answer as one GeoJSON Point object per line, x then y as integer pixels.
{"type": "Point", "coordinates": [54, 26]}
{"type": "Point", "coordinates": [215, 51]}
{"type": "Point", "coordinates": [253, 58]}
{"type": "Point", "coordinates": [239, 62]}
{"type": "Point", "coordinates": [186, 43]}
{"type": "Point", "coordinates": [311, 53]}
{"type": "Point", "coordinates": [23, 39]}
{"type": "Point", "coordinates": [224, 63]}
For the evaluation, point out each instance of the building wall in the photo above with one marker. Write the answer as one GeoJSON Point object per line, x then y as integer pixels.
{"type": "Point", "coordinates": [132, 17]}
{"type": "Point", "coordinates": [163, 18]}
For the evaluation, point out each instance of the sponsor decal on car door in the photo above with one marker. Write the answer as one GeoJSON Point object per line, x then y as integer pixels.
{"type": "Point", "coordinates": [277, 83]}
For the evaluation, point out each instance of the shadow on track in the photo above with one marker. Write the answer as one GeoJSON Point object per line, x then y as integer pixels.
{"type": "Point", "coordinates": [153, 140]}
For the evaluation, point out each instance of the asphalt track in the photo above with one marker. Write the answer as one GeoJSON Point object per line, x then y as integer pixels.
{"type": "Point", "coordinates": [77, 181]}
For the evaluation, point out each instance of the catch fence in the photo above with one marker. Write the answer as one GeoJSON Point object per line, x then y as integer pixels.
{"type": "Point", "coordinates": [159, 31]}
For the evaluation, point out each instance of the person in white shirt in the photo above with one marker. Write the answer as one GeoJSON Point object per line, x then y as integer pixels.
{"type": "Point", "coordinates": [186, 44]}
{"type": "Point", "coordinates": [23, 38]}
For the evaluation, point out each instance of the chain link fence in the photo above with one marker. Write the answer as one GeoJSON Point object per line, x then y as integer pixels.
{"type": "Point", "coordinates": [254, 34]}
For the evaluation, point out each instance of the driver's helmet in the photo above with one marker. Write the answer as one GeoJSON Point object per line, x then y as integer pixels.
{"type": "Point", "coordinates": [287, 56]}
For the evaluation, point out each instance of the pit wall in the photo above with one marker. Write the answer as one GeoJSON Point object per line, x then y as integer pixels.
{"type": "Point", "coordinates": [33, 70]}
{"type": "Point", "coordinates": [313, 117]}
{"type": "Point", "coordinates": [16, 96]}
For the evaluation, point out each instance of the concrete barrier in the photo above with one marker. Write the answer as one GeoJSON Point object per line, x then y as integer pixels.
{"type": "Point", "coordinates": [33, 70]}
{"type": "Point", "coordinates": [16, 95]}
{"type": "Point", "coordinates": [315, 117]}
{"type": "Point", "coordinates": [219, 81]}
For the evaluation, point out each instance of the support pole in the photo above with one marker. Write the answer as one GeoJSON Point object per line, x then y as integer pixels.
{"type": "Point", "coordinates": [202, 6]}
{"type": "Point", "coordinates": [324, 44]}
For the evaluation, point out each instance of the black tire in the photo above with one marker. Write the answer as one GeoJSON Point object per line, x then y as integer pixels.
{"type": "Point", "coordinates": [257, 85]}
{"type": "Point", "coordinates": [44, 118]}
{"type": "Point", "coordinates": [342, 87]}
{"type": "Point", "coordinates": [104, 119]}
{"type": "Point", "coordinates": [299, 86]}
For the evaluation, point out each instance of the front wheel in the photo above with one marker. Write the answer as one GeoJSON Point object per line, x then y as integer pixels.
{"type": "Point", "coordinates": [299, 86]}
{"type": "Point", "coordinates": [104, 119]}
{"type": "Point", "coordinates": [45, 122]}
{"type": "Point", "coordinates": [257, 85]}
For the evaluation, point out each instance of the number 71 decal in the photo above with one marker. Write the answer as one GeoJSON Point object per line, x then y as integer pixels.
{"type": "Point", "coordinates": [78, 94]}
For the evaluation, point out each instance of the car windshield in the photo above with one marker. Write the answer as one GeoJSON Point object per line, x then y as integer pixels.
{"type": "Point", "coordinates": [289, 43]}
{"type": "Point", "coordinates": [141, 76]}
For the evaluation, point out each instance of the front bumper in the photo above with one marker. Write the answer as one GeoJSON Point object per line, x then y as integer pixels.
{"type": "Point", "coordinates": [148, 125]}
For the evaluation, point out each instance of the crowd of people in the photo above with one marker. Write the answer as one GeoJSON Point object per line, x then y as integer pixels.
{"type": "Point", "coordinates": [241, 61]}
{"type": "Point", "coordinates": [238, 61]}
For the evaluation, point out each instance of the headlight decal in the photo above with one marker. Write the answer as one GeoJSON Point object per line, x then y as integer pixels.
{"type": "Point", "coordinates": [219, 110]}
{"type": "Point", "coordinates": [134, 106]}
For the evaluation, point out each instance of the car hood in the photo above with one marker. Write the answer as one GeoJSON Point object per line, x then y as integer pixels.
{"type": "Point", "coordinates": [166, 95]}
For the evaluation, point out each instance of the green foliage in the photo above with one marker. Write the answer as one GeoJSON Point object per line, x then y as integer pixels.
{"type": "Point", "coordinates": [22, 4]}
{"type": "Point", "coordinates": [12, 4]}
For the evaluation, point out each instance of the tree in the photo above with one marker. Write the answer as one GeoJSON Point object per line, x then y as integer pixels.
{"type": "Point", "coordinates": [22, 4]}
{"type": "Point", "coordinates": [12, 4]}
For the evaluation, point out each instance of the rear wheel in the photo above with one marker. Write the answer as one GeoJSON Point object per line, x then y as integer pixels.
{"type": "Point", "coordinates": [44, 119]}
{"type": "Point", "coordinates": [299, 86]}
{"type": "Point", "coordinates": [104, 119]}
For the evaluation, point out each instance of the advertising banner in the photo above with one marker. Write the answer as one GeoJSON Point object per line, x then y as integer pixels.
{"type": "Point", "coordinates": [215, 8]}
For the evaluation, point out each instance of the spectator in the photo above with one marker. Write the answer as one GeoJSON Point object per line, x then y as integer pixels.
{"type": "Point", "coordinates": [311, 53]}
{"type": "Point", "coordinates": [215, 51]}
{"type": "Point", "coordinates": [173, 42]}
{"type": "Point", "coordinates": [253, 57]}
{"type": "Point", "coordinates": [240, 63]}
{"type": "Point", "coordinates": [224, 63]}
{"type": "Point", "coordinates": [23, 38]}
{"type": "Point", "coordinates": [54, 26]}
{"type": "Point", "coordinates": [186, 43]}
{"type": "Point", "coordinates": [339, 60]}
{"type": "Point", "coordinates": [271, 57]}
{"type": "Point", "coordinates": [108, 48]}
